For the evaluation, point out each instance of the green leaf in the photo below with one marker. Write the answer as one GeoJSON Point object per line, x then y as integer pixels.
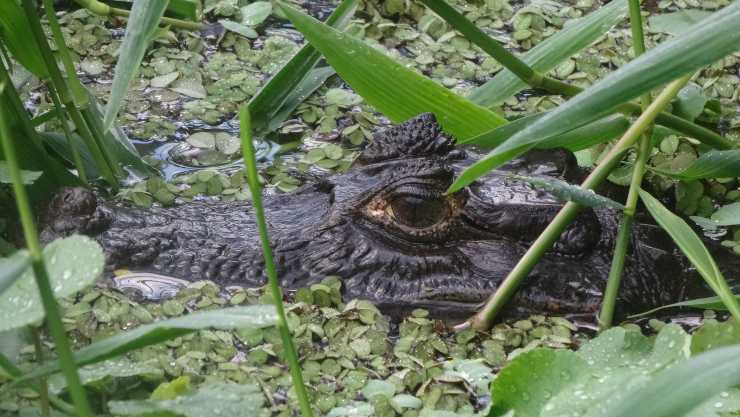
{"type": "Point", "coordinates": [395, 90]}
{"type": "Point", "coordinates": [713, 164]}
{"type": "Point", "coordinates": [713, 334]}
{"type": "Point", "coordinates": [707, 303]}
{"type": "Point", "coordinates": [140, 30]}
{"type": "Point", "coordinates": [255, 13]}
{"type": "Point", "coordinates": [728, 215]}
{"type": "Point", "coordinates": [678, 22]}
{"type": "Point", "coordinates": [17, 37]}
{"type": "Point", "coordinates": [692, 246]}
{"type": "Point", "coordinates": [73, 263]}
{"type": "Point", "coordinates": [574, 37]}
{"type": "Point", "coordinates": [689, 102]}
{"type": "Point", "coordinates": [704, 44]}
{"type": "Point", "coordinates": [243, 30]}
{"type": "Point", "coordinates": [158, 332]}
{"type": "Point", "coordinates": [600, 131]}
{"type": "Point", "coordinates": [12, 267]}
{"type": "Point", "coordinates": [114, 368]}
{"type": "Point", "coordinates": [28, 177]}
{"type": "Point", "coordinates": [296, 80]}
{"type": "Point", "coordinates": [570, 192]}
{"type": "Point", "coordinates": [549, 383]}
{"type": "Point", "coordinates": [224, 399]}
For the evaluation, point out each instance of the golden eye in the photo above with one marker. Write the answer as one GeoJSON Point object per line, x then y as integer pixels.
{"type": "Point", "coordinates": [418, 211]}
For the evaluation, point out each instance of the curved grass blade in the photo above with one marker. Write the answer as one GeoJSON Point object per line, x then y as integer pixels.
{"type": "Point", "coordinates": [569, 192]}
{"type": "Point", "coordinates": [679, 389]}
{"type": "Point", "coordinates": [713, 164]}
{"type": "Point", "coordinates": [692, 246]}
{"type": "Point", "coordinates": [703, 44]}
{"type": "Point", "coordinates": [277, 99]}
{"type": "Point", "coordinates": [16, 35]}
{"type": "Point", "coordinates": [575, 36]}
{"type": "Point", "coordinates": [707, 303]}
{"type": "Point", "coordinates": [396, 91]}
{"type": "Point", "coordinates": [158, 332]}
{"type": "Point", "coordinates": [600, 131]}
{"type": "Point", "coordinates": [140, 29]}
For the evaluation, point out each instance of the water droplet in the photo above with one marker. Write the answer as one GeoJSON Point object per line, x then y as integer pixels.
{"type": "Point", "coordinates": [718, 404]}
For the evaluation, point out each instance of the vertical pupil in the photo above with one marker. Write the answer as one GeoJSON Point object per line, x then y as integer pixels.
{"type": "Point", "coordinates": [418, 212]}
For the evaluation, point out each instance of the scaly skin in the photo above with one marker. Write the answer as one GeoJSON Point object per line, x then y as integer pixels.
{"type": "Point", "coordinates": [387, 230]}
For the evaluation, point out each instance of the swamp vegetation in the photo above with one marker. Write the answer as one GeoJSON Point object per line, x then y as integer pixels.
{"type": "Point", "coordinates": [162, 103]}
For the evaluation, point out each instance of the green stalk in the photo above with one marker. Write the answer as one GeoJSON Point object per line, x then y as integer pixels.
{"type": "Point", "coordinates": [538, 80]}
{"type": "Point", "coordinates": [254, 187]}
{"type": "Point", "coordinates": [53, 316]}
{"type": "Point", "coordinates": [484, 318]}
{"type": "Point", "coordinates": [76, 157]}
{"type": "Point", "coordinates": [9, 367]}
{"type": "Point", "coordinates": [621, 247]}
{"type": "Point", "coordinates": [103, 9]}
{"type": "Point", "coordinates": [79, 95]}
{"type": "Point", "coordinates": [44, 389]}
{"type": "Point", "coordinates": [57, 79]}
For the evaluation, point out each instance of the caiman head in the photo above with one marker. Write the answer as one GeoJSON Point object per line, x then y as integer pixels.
{"type": "Point", "coordinates": [387, 228]}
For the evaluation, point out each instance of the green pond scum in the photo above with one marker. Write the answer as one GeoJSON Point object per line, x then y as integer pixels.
{"type": "Point", "coordinates": [180, 113]}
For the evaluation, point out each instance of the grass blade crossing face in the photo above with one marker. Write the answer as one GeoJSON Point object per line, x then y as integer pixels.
{"type": "Point", "coordinates": [396, 91]}
{"type": "Point", "coordinates": [703, 44]}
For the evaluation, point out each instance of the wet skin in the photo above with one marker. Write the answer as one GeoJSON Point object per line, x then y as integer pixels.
{"type": "Point", "coordinates": [388, 231]}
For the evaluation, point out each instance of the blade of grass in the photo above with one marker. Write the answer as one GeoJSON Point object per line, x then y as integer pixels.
{"type": "Point", "coordinates": [250, 163]}
{"type": "Point", "coordinates": [565, 191]}
{"type": "Point", "coordinates": [53, 316]}
{"type": "Point", "coordinates": [102, 9]}
{"type": "Point", "coordinates": [12, 267]}
{"type": "Point", "coordinates": [692, 246]}
{"type": "Point", "coordinates": [140, 29]}
{"type": "Point", "coordinates": [702, 45]}
{"type": "Point", "coordinates": [706, 303]}
{"type": "Point", "coordinates": [16, 37]}
{"type": "Point", "coordinates": [269, 102]}
{"type": "Point", "coordinates": [396, 91]}
{"type": "Point", "coordinates": [624, 233]}
{"type": "Point", "coordinates": [484, 318]}
{"type": "Point", "coordinates": [9, 367]}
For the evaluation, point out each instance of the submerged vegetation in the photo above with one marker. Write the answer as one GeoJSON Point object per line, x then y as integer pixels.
{"type": "Point", "coordinates": [175, 75]}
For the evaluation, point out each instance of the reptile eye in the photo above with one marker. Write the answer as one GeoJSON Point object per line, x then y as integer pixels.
{"type": "Point", "coordinates": [418, 211]}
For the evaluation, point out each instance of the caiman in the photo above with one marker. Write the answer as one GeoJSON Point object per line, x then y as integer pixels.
{"type": "Point", "coordinates": [389, 231]}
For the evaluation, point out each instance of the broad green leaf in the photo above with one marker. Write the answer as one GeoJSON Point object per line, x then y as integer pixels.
{"type": "Point", "coordinates": [728, 215]}
{"type": "Point", "coordinates": [17, 37]}
{"type": "Point", "coordinates": [223, 399]}
{"type": "Point", "coordinates": [243, 30]}
{"type": "Point", "coordinates": [692, 246]}
{"type": "Point", "coordinates": [550, 383]}
{"type": "Point", "coordinates": [682, 388]}
{"type": "Point", "coordinates": [570, 192]}
{"type": "Point", "coordinates": [689, 102]}
{"type": "Point", "coordinates": [255, 13]}
{"type": "Point", "coordinates": [73, 263]}
{"type": "Point", "coordinates": [395, 90]}
{"type": "Point", "coordinates": [678, 22]}
{"type": "Point", "coordinates": [713, 164]}
{"type": "Point", "coordinates": [113, 368]}
{"type": "Point", "coordinates": [296, 80]}
{"type": "Point", "coordinates": [158, 332]}
{"type": "Point", "coordinates": [705, 43]}
{"type": "Point", "coordinates": [12, 267]}
{"type": "Point", "coordinates": [574, 37]}
{"type": "Point", "coordinates": [713, 334]}
{"type": "Point", "coordinates": [140, 30]}
{"type": "Point", "coordinates": [28, 177]}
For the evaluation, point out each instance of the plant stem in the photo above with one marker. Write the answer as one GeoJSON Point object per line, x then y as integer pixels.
{"type": "Point", "coordinates": [53, 316]}
{"type": "Point", "coordinates": [484, 318]}
{"type": "Point", "coordinates": [60, 85]}
{"type": "Point", "coordinates": [9, 367]}
{"type": "Point", "coordinates": [79, 95]}
{"type": "Point", "coordinates": [103, 9]}
{"type": "Point", "coordinates": [250, 164]}
{"type": "Point", "coordinates": [624, 234]}
{"type": "Point", "coordinates": [44, 388]}
{"type": "Point", "coordinates": [536, 79]}
{"type": "Point", "coordinates": [76, 157]}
